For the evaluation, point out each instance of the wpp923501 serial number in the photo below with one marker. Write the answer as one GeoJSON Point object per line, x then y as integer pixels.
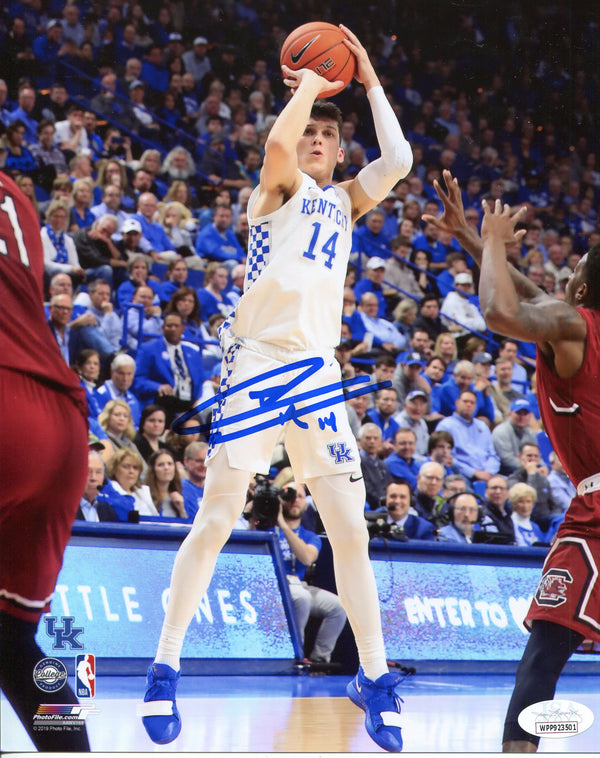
{"type": "Point", "coordinates": [562, 726]}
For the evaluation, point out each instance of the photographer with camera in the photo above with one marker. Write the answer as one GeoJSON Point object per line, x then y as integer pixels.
{"type": "Point", "coordinates": [300, 548]}
{"type": "Point", "coordinates": [396, 521]}
{"type": "Point", "coordinates": [283, 508]}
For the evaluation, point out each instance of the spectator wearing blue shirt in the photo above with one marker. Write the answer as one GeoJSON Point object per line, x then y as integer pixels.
{"type": "Point", "coordinates": [217, 241]}
{"type": "Point", "coordinates": [464, 514]}
{"type": "Point", "coordinates": [118, 387]}
{"type": "Point", "coordinates": [474, 452]}
{"type": "Point", "coordinates": [443, 400]}
{"type": "Point", "coordinates": [403, 463]}
{"type": "Point", "coordinates": [46, 49]}
{"type": "Point", "coordinates": [300, 548]}
{"type": "Point", "coordinates": [429, 241]}
{"type": "Point", "coordinates": [18, 159]}
{"type": "Point", "coordinates": [456, 263]}
{"type": "Point", "coordinates": [23, 112]}
{"type": "Point", "coordinates": [139, 271]}
{"type": "Point", "coordinates": [369, 238]}
{"type": "Point", "coordinates": [386, 404]}
{"type": "Point", "coordinates": [194, 463]}
{"type": "Point", "coordinates": [212, 296]}
{"type": "Point", "coordinates": [154, 238]}
{"type": "Point", "coordinates": [374, 274]}
{"type": "Point", "coordinates": [154, 73]}
{"type": "Point", "coordinates": [522, 498]}
{"type": "Point", "coordinates": [391, 223]}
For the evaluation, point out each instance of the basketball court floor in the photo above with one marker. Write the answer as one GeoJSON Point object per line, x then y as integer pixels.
{"type": "Point", "coordinates": [304, 713]}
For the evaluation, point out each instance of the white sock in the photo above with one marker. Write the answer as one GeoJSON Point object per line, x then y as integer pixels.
{"type": "Point", "coordinates": [169, 645]}
{"type": "Point", "coordinates": [341, 505]}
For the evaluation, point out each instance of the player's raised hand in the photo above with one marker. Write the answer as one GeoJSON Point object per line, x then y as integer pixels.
{"type": "Point", "coordinates": [365, 73]}
{"type": "Point", "coordinates": [294, 78]}
{"type": "Point", "coordinates": [452, 219]}
{"type": "Point", "coordinates": [499, 224]}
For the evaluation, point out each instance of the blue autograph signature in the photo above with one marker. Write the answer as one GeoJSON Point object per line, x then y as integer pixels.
{"type": "Point", "coordinates": [276, 399]}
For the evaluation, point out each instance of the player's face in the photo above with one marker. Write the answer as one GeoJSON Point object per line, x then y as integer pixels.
{"type": "Point", "coordinates": [319, 148]}
{"type": "Point", "coordinates": [575, 281]}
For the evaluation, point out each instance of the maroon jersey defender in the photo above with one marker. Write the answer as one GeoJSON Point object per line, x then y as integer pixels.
{"type": "Point", "coordinates": [569, 591]}
{"type": "Point", "coordinates": [31, 361]}
{"type": "Point", "coordinates": [570, 410]}
{"type": "Point", "coordinates": [43, 465]}
{"type": "Point", "coordinates": [566, 605]}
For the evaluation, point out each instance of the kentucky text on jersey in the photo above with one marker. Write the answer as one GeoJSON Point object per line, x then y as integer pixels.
{"type": "Point", "coordinates": [325, 208]}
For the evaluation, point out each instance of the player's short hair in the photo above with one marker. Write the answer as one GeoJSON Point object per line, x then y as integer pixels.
{"type": "Point", "coordinates": [591, 273]}
{"type": "Point", "coordinates": [324, 110]}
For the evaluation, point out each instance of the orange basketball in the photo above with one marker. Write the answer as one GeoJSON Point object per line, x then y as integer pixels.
{"type": "Point", "coordinates": [320, 47]}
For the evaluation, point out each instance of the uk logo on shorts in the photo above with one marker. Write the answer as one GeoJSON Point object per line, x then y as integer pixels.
{"type": "Point", "coordinates": [340, 452]}
{"type": "Point", "coordinates": [552, 589]}
{"type": "Point", "coordinates": [85, 675]}
{"type": "Point", "coordinates": [50, 675]}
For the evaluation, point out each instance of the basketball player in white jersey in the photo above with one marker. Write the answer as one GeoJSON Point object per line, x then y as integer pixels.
{"type": "Point", "coordinates": [279, 344]}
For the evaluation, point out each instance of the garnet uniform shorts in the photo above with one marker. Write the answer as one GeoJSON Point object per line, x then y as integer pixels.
{"type": "Point", "coordinates": [43, 470]}
{"type": "Point", "coordinates": [569, 591]}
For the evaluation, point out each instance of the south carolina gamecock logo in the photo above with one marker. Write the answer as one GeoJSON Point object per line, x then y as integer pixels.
{"type": "Point", "coordinates": [552, 589]}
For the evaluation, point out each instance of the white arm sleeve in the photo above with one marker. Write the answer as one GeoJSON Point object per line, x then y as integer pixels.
{"type": "Point", "coordinates": [380, 176]}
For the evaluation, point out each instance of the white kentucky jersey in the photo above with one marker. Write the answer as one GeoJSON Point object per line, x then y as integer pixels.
{"type": "Point", "coordinates": [296, 269]}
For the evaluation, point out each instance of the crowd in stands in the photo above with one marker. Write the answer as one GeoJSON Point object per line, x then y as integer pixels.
{"type": "Point", "coordinates": [137, 132]}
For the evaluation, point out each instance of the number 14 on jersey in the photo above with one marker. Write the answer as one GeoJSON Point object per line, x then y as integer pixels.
{"type": "Point", "coordinates": [327, 249]}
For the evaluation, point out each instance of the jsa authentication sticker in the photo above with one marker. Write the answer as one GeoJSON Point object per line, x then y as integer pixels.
{"type": "Point", "coordinates": [556, 718]}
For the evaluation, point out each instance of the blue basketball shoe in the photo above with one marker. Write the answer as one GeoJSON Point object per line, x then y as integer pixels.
{"type": "Point", "coordinates": [159, 713]}
{"type": "Point", "coordinates": [381, 704]}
